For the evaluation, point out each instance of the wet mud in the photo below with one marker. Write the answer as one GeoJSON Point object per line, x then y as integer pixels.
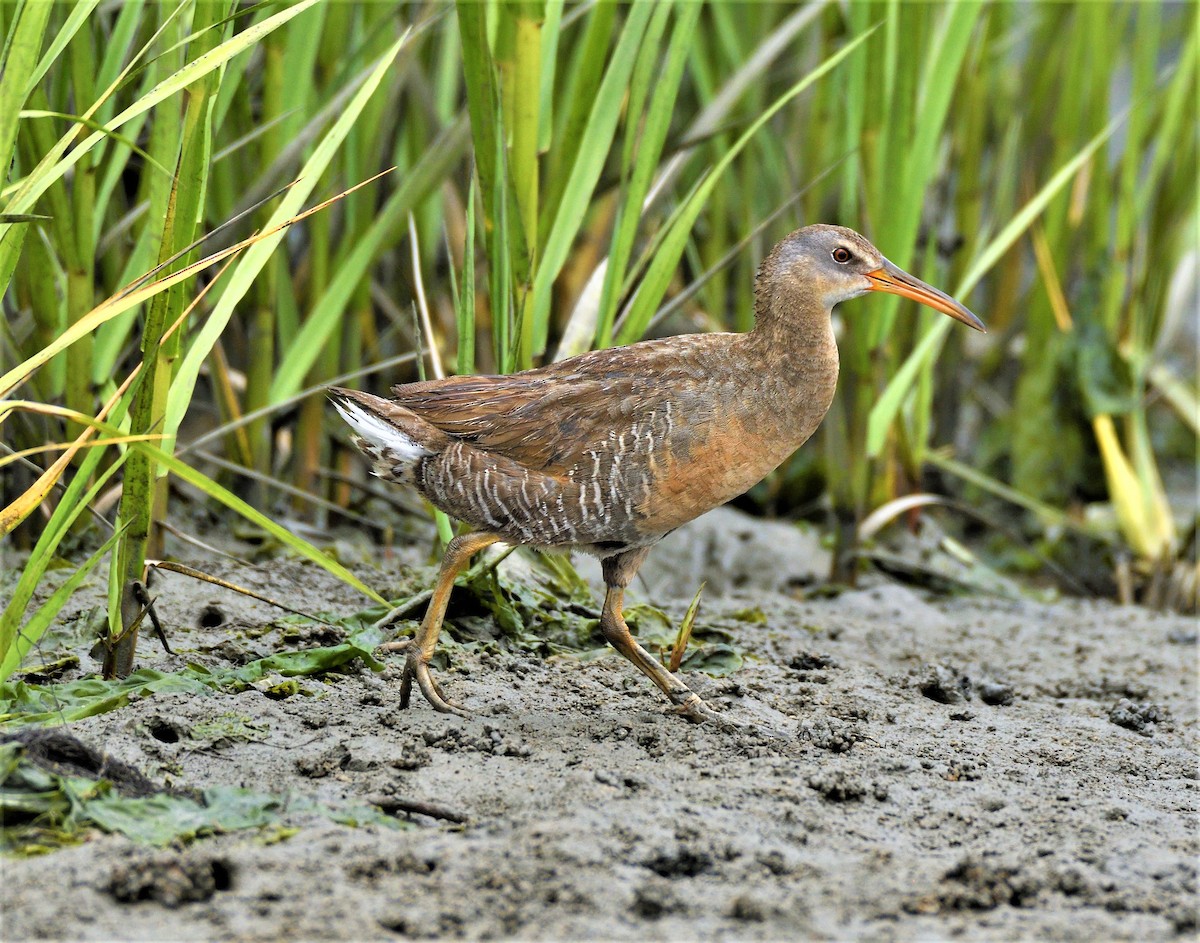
{"type": "Point", "coordinates": [905, 765]}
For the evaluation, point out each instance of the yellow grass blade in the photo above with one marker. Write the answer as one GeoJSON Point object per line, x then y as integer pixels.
{"type": "Point", "coordinates": [1142, 515]}
{"type": "Point", "coordinates": [118, 303]}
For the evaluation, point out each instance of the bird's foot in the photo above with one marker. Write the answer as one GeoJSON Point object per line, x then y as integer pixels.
{"type": "Point", "coordinates": [398, 645]}
{"type": "Point", "coordinates": [398, 612]}
{"type": "Point", "coordinates": [416, 665]}
{"type": "Point", "coordinates": [691, 706]}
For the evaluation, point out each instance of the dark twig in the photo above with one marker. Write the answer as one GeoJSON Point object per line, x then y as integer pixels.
{"type": "Point", "coordinates": [393, 804]}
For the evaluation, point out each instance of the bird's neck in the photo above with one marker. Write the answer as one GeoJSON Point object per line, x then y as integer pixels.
{"type": "Point", "coordinates": [796, 360]}
{"type": "Point", "coordinates": [786, 314]}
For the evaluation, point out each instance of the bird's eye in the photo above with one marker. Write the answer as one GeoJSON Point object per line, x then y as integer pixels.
{"type": "Point", "coordinates": [842, 255]}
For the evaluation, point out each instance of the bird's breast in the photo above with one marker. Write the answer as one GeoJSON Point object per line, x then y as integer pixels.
{"type": "Point", "coordinates": [743, 435]}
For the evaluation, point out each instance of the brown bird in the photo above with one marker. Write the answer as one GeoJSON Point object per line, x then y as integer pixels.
{"type": "Point", "coordinates": [611, 451]}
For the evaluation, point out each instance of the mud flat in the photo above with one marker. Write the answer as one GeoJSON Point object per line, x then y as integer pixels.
{"type": "Point", "coordinates": [908, 766]}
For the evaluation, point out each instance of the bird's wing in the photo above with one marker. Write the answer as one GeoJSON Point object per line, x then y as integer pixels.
{"type": "Point", "coordinates": [550, 418]}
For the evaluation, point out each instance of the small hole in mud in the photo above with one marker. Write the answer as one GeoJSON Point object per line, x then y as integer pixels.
{"type": "Point", "coordinates": [222, 873]}
{"type": "Point", "coordinates": [211, 617]}
{"type": "Point", "coordinates": [163, 730]}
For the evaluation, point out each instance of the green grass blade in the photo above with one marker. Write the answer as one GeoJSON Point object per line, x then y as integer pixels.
{"type": "Point", "coordinates": [662, 268]}
{"type": "Point", "coordinates": [25, 640]}
{"type": "Point", "coordinates": [899, 387]}
{"type": "Point", "coordinates": [42, 178]}
{"type": "Point", "coordinates": [593, 150]}
{"type": "Point", "coordinates": [236, 504]}
{"type": "Point", "coordinates": [99, 126]}
{"type": "Point", "coordinates": [1049, 515]}
{"type": "Point", "coordinates": [551, 33]}
{"type": "Point", "coordinates": [326, 316]}
{"type": "Point", "coordinates": [63, 35]}
{"type": "Point", "coordinates": [646, 159]}
{"type": "Point", "coordinates": [582, 76]}
{"type": "Point", "coordinates": [218, 493]}
{"type": "Point", "coordinates": [22, 53]}
{"type": "Point", "coordinates": [524, 123]}
{"type": "Point", "coordinates": [483, 100]}
{"type": "Point", "coordinates": [904, 199]}
{"type": "Point", "coordinates": [256, 256]}
{"type": "Point", "coordinates": [464, 299]}
{"type": "Point", "coordinates": [119, 41]}
{"type": "Point", "coordinates": [74, 502]}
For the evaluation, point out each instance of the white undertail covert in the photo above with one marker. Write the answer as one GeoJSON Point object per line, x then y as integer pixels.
{"type": "Point", "coordinates": [393, 454]}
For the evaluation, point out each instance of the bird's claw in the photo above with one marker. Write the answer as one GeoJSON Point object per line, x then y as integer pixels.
{"type": "Point", "coordinates": [398, 645]}
{"type": "Point", "coordinates": [417, 666]}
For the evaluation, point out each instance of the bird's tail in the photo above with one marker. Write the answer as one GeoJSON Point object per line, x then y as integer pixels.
{"type": "Point", "coordinates": [389, 435]}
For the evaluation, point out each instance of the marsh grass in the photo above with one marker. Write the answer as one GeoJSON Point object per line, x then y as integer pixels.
{"type": "Point", "coordinates": [562, 173]}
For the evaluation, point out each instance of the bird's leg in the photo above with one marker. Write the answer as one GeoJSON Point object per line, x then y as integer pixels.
{"type": "Point", "coordinates": [419, 649]}
{"type": "Point", "coordinates": [618, 571]}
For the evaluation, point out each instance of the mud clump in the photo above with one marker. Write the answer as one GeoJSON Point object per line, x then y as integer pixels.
{"type": "Point", "coordinates": [680, 862]}
{"type": "Point", "coordinates": [169, 880]}
{"type": "Point", "coordinates": [1139, 716]}
{"type": "Point", "coordinates": [654, 902]}
{"type": "Point", "coordinates": [493, 741]}
{"type": "Point", "coordinates": [412, 756]}
{"type": "Point", "coordinates": [944, 684]}
{"type": "Point", "coordinates": [812, 661]}
{"type": "Point", "coordinates": [838, 786]}
{"type": "Point", "coordinates": [831, 735]}
{"type": "Point", "coordinates": [973, 885]}
{"type": "Point", "coordinates": [326, 763]}
{"type": "Point", "coordinates": [748, 908]}
{"type": "Point", "coordinates": [1099, 688]}
{"type": "Point", "coordinates": [371, 868]}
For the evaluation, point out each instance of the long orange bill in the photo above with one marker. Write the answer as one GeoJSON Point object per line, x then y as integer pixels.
{"type": "Point", "coordinates": [896, 281]}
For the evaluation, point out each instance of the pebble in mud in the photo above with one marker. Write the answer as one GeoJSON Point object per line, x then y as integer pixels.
{"type": "Point", "coordinates": [412, 923]}
{"type": "Point", "coordinates": [996, 693]}
{"type": "Point", "coordinates": [748, 908]}
{"type": "Point", "coordinates": [1183, 636]}
{"type": "Point", "coordinates": [654, 901]}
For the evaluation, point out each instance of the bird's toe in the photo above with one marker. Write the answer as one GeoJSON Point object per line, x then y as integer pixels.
{"type": "Point", "coordinates": [416, 668]}
{"type": "Point", "coordinates": [398, 645]}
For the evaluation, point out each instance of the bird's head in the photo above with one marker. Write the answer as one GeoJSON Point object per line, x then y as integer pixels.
{"type": "Point", "coordinates": [830, 264]}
